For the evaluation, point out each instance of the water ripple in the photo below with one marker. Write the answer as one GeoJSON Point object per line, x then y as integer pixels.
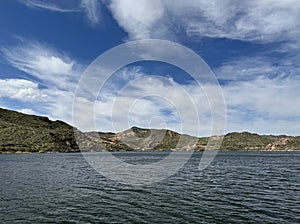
{"type": "Point", "coordinates": [238, 187]}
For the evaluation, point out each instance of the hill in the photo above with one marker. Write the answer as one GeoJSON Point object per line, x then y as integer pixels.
{"type": "Point", "coordinates": [29, 133]}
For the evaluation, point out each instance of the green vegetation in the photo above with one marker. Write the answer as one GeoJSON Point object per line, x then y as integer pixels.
{"type": "Point", "coordinates": [28, 133]}
{"type": "Point", "coordinates": [20, 133]}
{"type": "Point", "coordinates": [247, 141]}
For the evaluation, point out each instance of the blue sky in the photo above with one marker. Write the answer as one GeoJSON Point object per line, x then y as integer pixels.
{"type": "Point", "coordinates": [253, 47]}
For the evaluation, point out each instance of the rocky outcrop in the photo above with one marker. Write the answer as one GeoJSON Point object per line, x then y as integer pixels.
{"type": "Point", "coordinates": [281, 144]}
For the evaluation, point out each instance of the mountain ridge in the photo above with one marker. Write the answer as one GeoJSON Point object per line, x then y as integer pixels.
{"type": "Point", "coordinates": [22, 133]}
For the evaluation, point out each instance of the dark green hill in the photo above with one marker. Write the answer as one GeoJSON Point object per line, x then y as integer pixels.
{"type": "Point", "coordinates": [29, 133]}
{"type": "Point", "coordinates": [249, 141]}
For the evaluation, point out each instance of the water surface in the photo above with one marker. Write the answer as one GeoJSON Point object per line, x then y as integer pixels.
{"type": "Point", "coordinates": [238, 187]}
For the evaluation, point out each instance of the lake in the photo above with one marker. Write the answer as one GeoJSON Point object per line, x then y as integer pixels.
{"type": "Point", "coordinates": [238, 187]}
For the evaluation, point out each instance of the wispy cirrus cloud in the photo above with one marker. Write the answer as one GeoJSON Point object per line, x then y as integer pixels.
{"type": "Point", "coordinates": [46, 5]}
{"type": "Point", "coordinates": [43, 63]}
{"type": "Point", "coordinates": [49, 80]}
{"type": "Point", "coordinates": [261, 21]}
{"type": "Point", "coordinates": [258, 21]}
{"type": "Point", "coordinates": [250, 68]}
{"type": "Point", "coordinates": [91, 8]}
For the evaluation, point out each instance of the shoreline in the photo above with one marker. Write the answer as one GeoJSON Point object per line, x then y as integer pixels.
{"type": "Point", "coordinates": [145, 151]}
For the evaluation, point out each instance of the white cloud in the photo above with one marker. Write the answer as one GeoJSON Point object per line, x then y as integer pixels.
{"type": "Point", "coordinates": [262, 104]}
{"type": "Point", "coordinates": [43, 63]}
{"type": "Point", "coordinates": [27, 111]}
{"type": "Point", "coordinates": [92, 9]}
{"type": "Point", "coordinates": [264, 99]}
{"type": "Point", "coordinates": [249, 68]}
{"type": "Point", "coordinates": [52, 64]}
{"type": "Point", "coordinates": [59, 105]}
{"type": "Point", "coordinates": [53, 75]}
{"type": "Point", "coordinates": [261, 96]}
{"type": "Point", "coordinates": [262, 21]}
{"type": "Point", "coordinates": [39, 4]}
{"type": "Point", "coordinates": [52, 102]}
{"type": "Point", "coordinates": [138, 18]}
{"type": "Point", "coordinates": [143, 98]}
{"type": "Point", "coordinates": [20, 89]}
{"type": "Point", "coordinates": [273, 98]}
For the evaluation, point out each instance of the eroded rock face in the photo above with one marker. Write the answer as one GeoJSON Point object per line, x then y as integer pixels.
{"type": "Point", "coordinates": [280, 144]}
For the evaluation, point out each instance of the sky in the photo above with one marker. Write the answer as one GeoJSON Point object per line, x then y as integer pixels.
{"type": "Point", "coordinates": [252, 47]}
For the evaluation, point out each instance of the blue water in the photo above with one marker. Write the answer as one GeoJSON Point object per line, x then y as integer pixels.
{"type": "Point", "coordinates": [238, 187]}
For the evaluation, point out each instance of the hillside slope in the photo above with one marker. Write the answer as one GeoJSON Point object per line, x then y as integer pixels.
{"type": "Point", "coordinates": [29, 133]}
{"type": "Point", "coordinates": [20, 132]}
